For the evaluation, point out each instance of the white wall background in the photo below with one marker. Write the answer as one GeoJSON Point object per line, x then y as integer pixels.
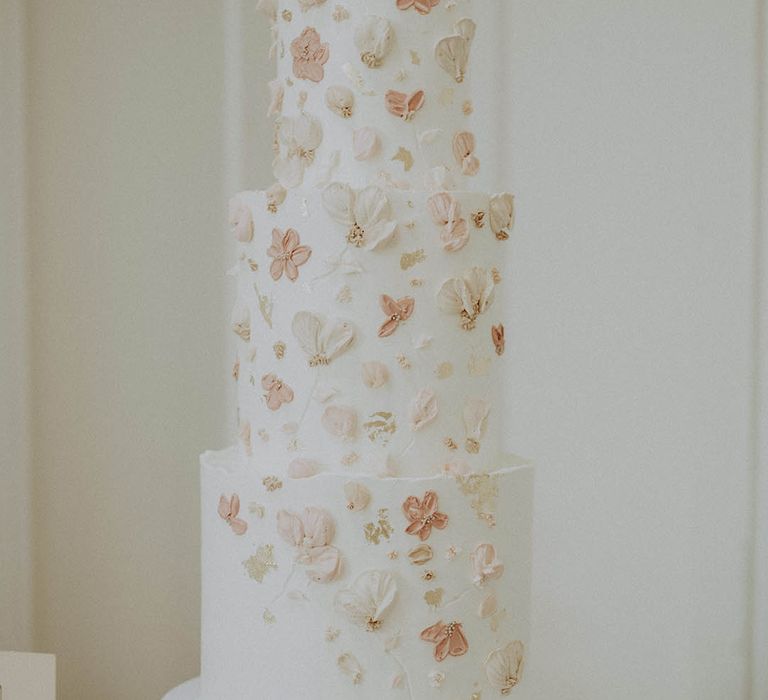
{"type": "Point", "coordinates": [631, 147]}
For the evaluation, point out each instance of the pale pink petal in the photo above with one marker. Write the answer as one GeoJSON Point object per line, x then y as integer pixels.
{"type": "Point", "coordinates": [324, 564]}
{"type": "Point", "coordinates": [290, 528]}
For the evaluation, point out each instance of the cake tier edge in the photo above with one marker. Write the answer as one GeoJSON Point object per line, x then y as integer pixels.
{"type": "Point", "coordinates": [349, 586]}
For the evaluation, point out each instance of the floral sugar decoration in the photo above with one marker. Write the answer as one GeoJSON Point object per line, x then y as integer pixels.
{"type": "Point", "coordinates": [423, 515]}
{"type": "Point", "coordinates": [449, 639]}
{"type": "Point", "coordinates": [310, 54]}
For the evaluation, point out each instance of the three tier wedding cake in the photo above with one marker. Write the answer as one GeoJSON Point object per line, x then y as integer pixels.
{"type": "Point", "coordinates": [368, 537]}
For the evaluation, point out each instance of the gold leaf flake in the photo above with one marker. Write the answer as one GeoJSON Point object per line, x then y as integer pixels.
{"type": "Point", "coordinates": [265, 305]}
{"type": "Point", "coordinates": [287, 15]}
{"type": "Point", "coordinates": [405, 156]}
{"type": "Point", "coordinates": [253, 265]}
{"type": "Point", "coordinates": [256, 509]}
{"type": "Point", "coordinates": [415, 58]}
{"type": "Point", "coordinates": [242, 329]}
{"type": "Point", "coordinates": [400, 76]}
{"type": "Point", "coordinates": [417, 282]}
{"type": "Point", "coordinates": [269, 617]}
{"type": "Point", "coordinates": [261, 563]}
{"type": "Point", "coordinates": [263, 434]}
{"type": "Point", "coordinates": [408, 260]}
{"type": "Point", "coordinates": [332, 634]}
{"type": "Point", "coordinates": [382, 529]}
{"type": "Point", "coordinates": [483, 490]}
{"type": "Point", "coordinates": [444, 370]}
{"type": "Point", "coordinates": [450, 443]}
{"type": "Point", "coordinates": [279, 348]}
{"type": "Point", "coordinates": [446, 97]}
{"type": "Point", "coordinates": [467, 107]}
{"type": "Point", "coordinates": [496, 275]}
{"type": "Point", "coordinates": [272, 483]}
{"type": "Point", "coordinates": [476, 696]}
{"type": "Point", "coordinates": [434, 598]}
{"type": "Point", "coordinates": [393, 554]}
{"type": "Point", "coordinates": [292, 445]}
{"type": "Point", "coordinates": [428, 575]}
{"type": "Point", "coordinates": [236, 369]}
{"type": "Point", "coordinates": [381, 427]}
{"type": "Point", "coordinates": [403, 361]}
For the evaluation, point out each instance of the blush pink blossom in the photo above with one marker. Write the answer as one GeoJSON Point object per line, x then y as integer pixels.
{"type": "Point", "coordinates": [288, 254]}
{"type": "Point", "coordinates": [309, 55]}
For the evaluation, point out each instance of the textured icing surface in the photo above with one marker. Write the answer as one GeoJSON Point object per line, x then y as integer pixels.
{"type": "Point", "coordinates": [337, 62]}
{"type": "Point", "coordinates": [411, 397]}
{"type": "Point", "coordinates": [269, 630]}
{"type": "Point", "coordinates": [365, 539]}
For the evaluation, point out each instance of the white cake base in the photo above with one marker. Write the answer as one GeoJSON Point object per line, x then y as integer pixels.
{"type": "Point", "coordinates": [187, 691]}
{"type": "Point", "coordinates": [269, 632]}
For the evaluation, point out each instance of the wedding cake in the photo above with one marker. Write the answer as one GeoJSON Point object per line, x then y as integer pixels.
{"type": "Point", "coordinates": [369, 537]}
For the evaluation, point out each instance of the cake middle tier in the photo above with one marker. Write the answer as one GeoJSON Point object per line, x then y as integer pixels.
{"type": "Point", "coordinates": [371, 327]}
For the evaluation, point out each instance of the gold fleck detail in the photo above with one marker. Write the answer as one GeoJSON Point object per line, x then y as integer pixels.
{"type": "Point", "coordinates": [428, 575]}
{"type": "Point", "coordinates": [483, 490]}
{"type": "Point", "coordinates": [496, 275]}
{"type": "Point", "coordinates": [381, 427]}
{"type": "Point", "coordinates": [476, 696]}
{"type": "Point", "coordinates": [450, 443]}
{"type": "Point", "coordinates": [279, 347]}
{"type": "Point", "coordinates": [382, 529]}
{"type": "Point", "coordinates": [444, 370]}
{"type": "Point", "coordinates": [272, 483]}
{"type": "Point", "coordinates": [472, 445]}
{"type": "Point", "coordinates": [236, 370]}
{"type": "Point", "coordinates": [287, 15]}
{"type": "Point", "coordinates": [393, 554]}
{"type": "Point", "coordinates": [403, 361]}
{"type": "Point", "coordinates": [467, 107]}
{"type": "Point", "coordinates": [253, 265]}
{"type": "Point", "coordinates": [478, 218]}
{"type": "Point", "coordinates": [293, 445]}
{"type": "Point", "coordinates": [332, 634]}
{"type": "Point", "coordinates": [415, 58]}
{"type": "Point", "coordinates": [434, 598]}
{"type": "Point", "coordinates": [243, 331]}
{"type": "Point", "coordinates": [272, 206]}
{"type": "Point", "coordinates": [263, 434]}
{"type": "Point", "coordinates": [265, 305]}
{"type": "Point", "coordinates": [409, 260]}
{"type": "Point", "coordinates": [269, 618]}
{"type": "Point", "coordinates": [417, 282]}
{"type": "Point", "coordinates": [405, 156]}
{"type": "Point", "coordinates": [261, 563]}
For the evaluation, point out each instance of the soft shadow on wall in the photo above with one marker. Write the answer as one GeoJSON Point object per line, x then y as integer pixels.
{"type": "Point", "coordinates": [129, 173]}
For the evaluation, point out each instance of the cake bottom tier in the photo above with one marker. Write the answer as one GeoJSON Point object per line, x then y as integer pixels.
{"type": "Point", "coordinates": [341, 586]}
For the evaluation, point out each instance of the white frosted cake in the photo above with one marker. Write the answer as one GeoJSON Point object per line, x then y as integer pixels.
{"type": "Point", "coordinates": [368, 537]}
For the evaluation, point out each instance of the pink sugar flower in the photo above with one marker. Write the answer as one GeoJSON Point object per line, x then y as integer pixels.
{"type": "Point", "coordinates": [449, 639]}
{"type": "Point", "coordinates": [397, 311]}
{"type": "Point", "coordinates": [309, 55]}
{"type": "Point", "coordinates": [278, 392]}
{"type": "Point", "coordinates": [423, 515]}
{"type": "Point", "coordinates": [229, 508]}
{"type": "Point", "coordinates": [288, 254]}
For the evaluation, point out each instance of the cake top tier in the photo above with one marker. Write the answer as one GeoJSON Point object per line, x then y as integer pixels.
{"type": "Point", "coordinates": [387, 92]}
